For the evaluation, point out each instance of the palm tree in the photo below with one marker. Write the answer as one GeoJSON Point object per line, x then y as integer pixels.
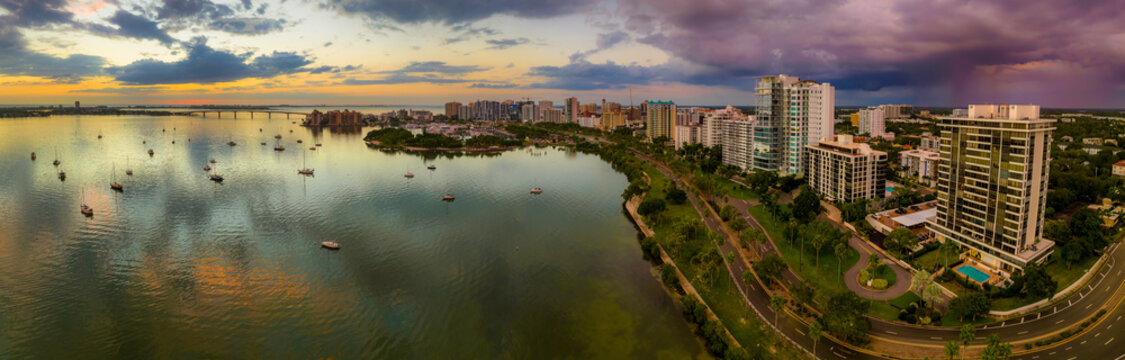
{"type": "Point", "coordinates": [777, 303]}
{"type": "Point", "coordinates": [841, 251]}
{"type": "Point", "coordinates": [952, 348]}
{"type": "Point", "coordinates": [814, 333]}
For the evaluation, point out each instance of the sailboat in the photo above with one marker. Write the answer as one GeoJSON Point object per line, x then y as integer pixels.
{"type": "Point", "coordinates": [216, 177]}
{"type": "Point", "coordinates": [115, 185]}
{"type": "Point", "coordinates": [306, 170]}
{"type": "Point", "coordinates": [85, 209]}
{"type": "Point", "coordinates": [128, 170]}
{"type": "Point", "coordinates": [62, 175]}
{"type": "Point", "coordinates": [57, 162]}
{"type": "Point", "coordinates": [278, 147]}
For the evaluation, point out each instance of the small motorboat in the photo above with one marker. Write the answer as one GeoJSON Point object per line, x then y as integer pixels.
{"type": "Point", "coordinates": [279, 148]}
{"type": "Point", "coordinates": [290, 131]}
{"type": "Point", "coordinates": [278, 136]}
{"type": "Point", "coordinates": [86, 210]}
{"type": "Point", "coordinates": [299, 141]}
{"type": "Point", "coordinates": [216, 178]}
{"type": "Point", "coordinates": [32, 156]}
{"type": "Point", "coordinates": [144, 141]}
{"type": "Point", "coordinates": [212, 161]}
{"type": "Point", "coordinates": [313, 148]}
{"type": "Point", "coordinates": [150, 152]}
{"type": "Point", "coordinates": [431, 167]}
{"type": "Point", "coordinates": [305, 171]}
{"type": "Point", "coordinates": [57, 162]}
{"type": "Point", "coordinates": [536, 190]}
{"type": "Point", "coordinates": [259, 129]}
{"type": "Point", "coordinates": [263, 143]}
{"type": "Point", "coordinates": [117, 186]}
{"type": "Point", "coordinates": [318, 144]}
{"type": "Point", "coordinates": [408, 175]}
{"type": "Point", "coordinates": [129, 172]}
{"type": "Point", "coordinates": [99, 136]}
{"type": "Point", "coordinates": [206, 167]}
{"type": "Point", "coordinates": [232, 143]}
{"type": "Point", "coordinates": [62, 175]}
{"type": "Point", "coordinates": [448, 197]}
{"type": "Point", "coordinates": [331, 245]}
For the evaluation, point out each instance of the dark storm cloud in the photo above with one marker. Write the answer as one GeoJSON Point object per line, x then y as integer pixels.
{"type": "Point", "coordinates": [134, 26]}
{"type": "Point", "coordinates": [1023, 50]}
{"type": "Point", "coordinates": [248, 26]}
{"type": "Point", "coordinates": [176, 9]}
{"type": "Point", "coordinates": [434, 72]}
{"type": "Point", "coordinates": [467, 31]}
{"type": "Point", "coordinates": [584, 75]}
{"type": "Point", "coordinates": [455, 11]}
{"type": "Point", "coordinates": [205, 65]}
{"type": "Point", "coordinates": [37, 12]}
{"type": "Point", "coordinates": [17, 60]}
{"type": "Point", "coordinates": [501, 44]}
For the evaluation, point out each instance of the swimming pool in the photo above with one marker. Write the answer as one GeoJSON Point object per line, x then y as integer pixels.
{"type": "Point", "coordinates": [890, 189]}
{"type": "Point", "coordinates": [973, 273]}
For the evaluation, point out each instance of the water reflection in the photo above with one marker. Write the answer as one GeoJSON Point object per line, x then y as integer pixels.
{"type": "Point", "coordinates": [179, 266]}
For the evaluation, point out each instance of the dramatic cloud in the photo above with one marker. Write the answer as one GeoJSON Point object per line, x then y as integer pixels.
{"type": "Point", "coordinates": [605, 41]}
{"type": "Point", "coordinates": [583, 75]}
{"type": "Point", "coordinates": [37, 12]}
{"type": "Point", "coordinates": [130, 25]}
{"type": "Point", "coordinates": [178, 9]}
{"type": "Point", "coordinates": [455, 11]}
{"type": "Point", "coordinates": [975, 50]}
{"type": "Point", "coordinates": [18, 60]}
{"type": "Point", "coordinates": [504, 85]}
{"type": "Point", "coordinates": [467, 31]}
{"type": "Point", "coordinates": [205, 65]}
{"type": "Point", "coordinates": [501, 44]}
{"type": "Point", "coordinates": [434, 72]}
{"type": "Point", "coordinates": [248, 26]}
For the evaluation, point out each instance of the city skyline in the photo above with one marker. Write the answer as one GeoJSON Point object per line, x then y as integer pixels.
{"type": "Point", "coordinates": [430, 52]}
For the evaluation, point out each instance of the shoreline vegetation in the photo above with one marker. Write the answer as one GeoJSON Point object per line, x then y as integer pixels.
{"type": "Point", "coordinates": [107, 111]}
{"type": "Point", "coordinates": [401, 139]}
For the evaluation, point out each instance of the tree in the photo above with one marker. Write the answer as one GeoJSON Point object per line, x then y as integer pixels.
{"type": "Point", "coordinates": [807, 205]}
{"type": "Point", "coordinates": [776, 303]}
{"type": "Point", "coordinates": [968, 334]}
{"type": "Point", "coordinates": [675, 196]}
{"type": "Point", "coordinates": [769, 201]}
{"type": "Point", "coordinates": [761, 181]}
{"type": "Point", "coordinates": [770, 268]}
{"type": "Point", "coordinates": [1037, 283]}
{"type": "Point", "coordinates": [823, 233]}
{"type": "Point", "coordinates": [952, 348]}
{"type": "Point", "coordinates": [751, 236]}
{"type": "Point", "coordinates": [995, 350]}
{"type": "Point", "coordinates": [651, 207]}
{"type": "Point", "coordinates": [845, 316]}
{"type": "Point", "coordinates": [803, 292]}
{"type": "Point", "coordinates": [715, 337]}
{"type": "Point", "coordinates": [841, 250]}
{"type": "Point", "coordinates": [924, 286]}
{"type": "Point", "coordinates": [972, 305]}
{"type": "Point", "coordinates": [900, 241]}
{"type": "Point", "coordinates": [946, 247]}
{"type": "Point", "coordinates": [791, 232]}
{"type": "Point", "coordinates": [814, 333]}
{"type": "Point", "coordinates": [694, 310]}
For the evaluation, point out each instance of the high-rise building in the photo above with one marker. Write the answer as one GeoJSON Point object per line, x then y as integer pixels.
{"type": "Point", "coordinates": [872, 121]}
{"type": "Point", "coordinates": [855, 119]}
{"type": "Point", "coordinates": [465, 112]}
{"type": "Point", "coordinates": [688, 116]}
{"type": "Point", "coordinates": [529, 112]}
{"type": "Point", "coordinates": [553, 116]}
{"type": "Point", "coordinates": [791, 113]}
{"type": "Point", "coordinates": [588, 109]}
{"type": "Point", "coordinates": [571, 109]}
{"type": "Point", "coordinates": [612, 120]}
{"type": "Point", "coordinates": [712, 131]}
{"type": "Point", "coordinates": [736, 134]}
{"type": "Point", "coordinates": [844, 171]}
{"type": "Point", "coordinates": [611, 107]}
{"type": "Point", "coordinates": [687, 135]}
{"type": "Point", "coordinates": [661, 119]}
{"type": "Point", "coordinates": [992, 184]}
{"type": "Point", "coordinates": [452, 109]}
{"type": "Point", "coordinates": [544, 105]}
{"type": "Point", "coordinates": [896, 111]}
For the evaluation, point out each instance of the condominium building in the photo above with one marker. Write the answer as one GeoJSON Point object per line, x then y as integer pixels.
{"type": "Point", "coordinates": [688, 116]}
{"type": "Point", "coordinates": [843, 170]}
{"type": "Point", "coordinates": [736, 134]}
{"type": "Point", "coordinates": [854, 119]}
{"type": "Point", "coordinates": [711, 133]}
{"type": "Point", "coordinates": [896, 111]}
{"type": "Point", "coordinates": [919, 164]}
{"type": "Point", "coordinates": [553, 116]}
{"type": "Point", "coordinates": [452, 109]}
{"type": "Point", "coordinates": [992, 184]}
{"type": "Point", "coordinates": [661, 118]}
{"type": "Point", "coordinates": [465, 112]}
{"type": "Point", "coordinates": [872, 122]}
{"type": "Point", "coordinates": [612, 120]}
{"type": "Point", "coordinates": [588, 121]}
{"type": "Point", "coordinates": [930, 142]}
{"type": "Point", "coordinates": [588, 109]}
{"type": "Point", "coordinates": [544, 105]}
{"type": "Point", "coordinates": [571, 109]}
{"type": "Point", "coordinates": [791, 113]}
{"type": "Point", "coordinates": [529, 112]}
{"type": "Point", "coordinates": [687, 135]}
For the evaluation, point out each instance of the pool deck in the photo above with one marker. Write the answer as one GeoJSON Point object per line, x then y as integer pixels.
{"type": "Point", "coordinates": [994, 276]}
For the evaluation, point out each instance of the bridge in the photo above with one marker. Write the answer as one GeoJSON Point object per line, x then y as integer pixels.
{"type": "Point", "coordinates": [269, 113]}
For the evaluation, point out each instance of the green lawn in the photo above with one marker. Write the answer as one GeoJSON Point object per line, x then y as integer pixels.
{"type": "Point", "coordinates": [933, 259]}
{"type": "Point", "coordinates": [1065, 276]}
{"type": "Point", "coordinates": [825, 276]}
{"type": "Point", "coordinates": [904, 300]}
{"type": "Point", "coordinates": [884, 310]}
{"type": "Point", "coordinates": [721, 296]}
{"type": "Point", "coordinates": [886, 274]}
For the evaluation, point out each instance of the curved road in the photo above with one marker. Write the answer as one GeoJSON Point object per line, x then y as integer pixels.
{"type": "Point", "coordinates": [1105, 291]}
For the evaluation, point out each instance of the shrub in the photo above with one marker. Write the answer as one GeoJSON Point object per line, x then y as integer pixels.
{"type": "Point", "coordinates": [879, 284]}
{"type": "Point", "coordinates": [864, 275]}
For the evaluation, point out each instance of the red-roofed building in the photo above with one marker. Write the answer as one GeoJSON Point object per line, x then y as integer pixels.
{"type": "Point", "coordinates": [1119, 168]}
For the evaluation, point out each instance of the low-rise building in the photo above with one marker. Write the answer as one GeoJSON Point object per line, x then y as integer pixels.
{"type": "Point", "coordinates": [588, 121]}
{"type": "Point", "coordinates": [1119, 168]}
{"type": "Point", "coordinates": [1093, 141]}
{"type": "Point", "coordinates": [843, 170]}
{"type": "Point", "coordinates": [920, 164]}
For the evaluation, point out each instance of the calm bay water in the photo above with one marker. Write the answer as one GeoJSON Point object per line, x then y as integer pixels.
{"type": "Point", "coordinates": [177, 266]}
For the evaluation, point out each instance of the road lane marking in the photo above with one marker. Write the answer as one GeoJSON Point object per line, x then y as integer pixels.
{"type": "Point", "coordinates": [1068, 348]}
{"type": "Point", "coordinates": [1083, 342]}
{"type": "Point", "coordinates": [1022, 332]}
{"type": "Point", "coordinates": [935, 337]}
{"type": "Point", "coordinates": [1098, 334]}
{"type": "Point", "coordinates": [1118, 318]}
{"type": "Point", "coordinates": [891, 332]}
{"type": "Point", "coordinates": [799, 332]}
{"type": "Point", "coordinates": [1060, 321]}
{"type": "Point", "coordinates": [1089, 305]}
{"type": "Point", "coordinates": [841, 356]}
{"type": "Point", "coordinates": [1052, 353]}
{"type": "Point", "coordinates": [1072, 358]}
{"type": "Point", "coordinates": [1110, 340]}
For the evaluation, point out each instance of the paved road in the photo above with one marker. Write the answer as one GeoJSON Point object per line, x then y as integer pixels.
{"type": "Point", "coordinates": [851, 277]}
{"type": "Point", "coordinates": [1105, 290]}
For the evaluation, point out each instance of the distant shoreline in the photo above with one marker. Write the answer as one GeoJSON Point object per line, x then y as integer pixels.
{"type": "Point", "coordinates": [377, 144]}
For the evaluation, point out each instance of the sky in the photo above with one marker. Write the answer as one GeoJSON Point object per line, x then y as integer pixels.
{"type": "Point", "coordinates": [427, 52]}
